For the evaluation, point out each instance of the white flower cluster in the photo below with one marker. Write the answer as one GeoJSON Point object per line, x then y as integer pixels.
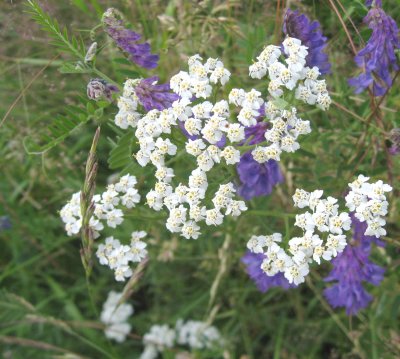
{"type": "Point", "coordinates": [286, 128]}
{"type": "Point", "coordinates": [115, 317]}
{"type": "Point", "coordinates": [184, 202]}
{"type": "Point", "coordinates": [292, 76]}
{"type": "Point", "coordinates": [219, 132]}
{"type": "Point", "coordinates": [121, 193]}
{"type": "Point", "coordinates": [117, 256]}
{"type": "Point", "coordinates": [367, 200]}
{"type": "Point", "coordinates": [310, 247]}
{"type": "Point", "coordinates": [369, 203]}
{"type": "Point", "coordinates": [193, 334]}
{"type": "Point", "coordinates": [127, 115]}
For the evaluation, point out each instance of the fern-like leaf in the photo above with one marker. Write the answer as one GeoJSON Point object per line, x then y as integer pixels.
{"type": "Point", "coordinates": [60, 37]}
{"type": "Point", "coordinates": [62, 127]}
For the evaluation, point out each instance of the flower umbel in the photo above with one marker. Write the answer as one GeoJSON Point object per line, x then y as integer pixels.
{"type": "Point", "coordinates": [263, 282]}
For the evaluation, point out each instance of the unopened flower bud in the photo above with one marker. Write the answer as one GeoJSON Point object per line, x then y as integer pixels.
{"type": "Point", "coordinates": [99, 88]}
{"type": "Point", "coordinates": [91, 53]}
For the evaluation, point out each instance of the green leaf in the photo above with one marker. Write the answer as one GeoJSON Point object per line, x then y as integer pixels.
{"type": "Point", "coordinates": [121, 154]}
{"type": "Point", "coordinates": [74, 68]}
{"type": "Point", "coordinates": [60, 38]}
{"type": "Point", "coordinates": [59, 129]}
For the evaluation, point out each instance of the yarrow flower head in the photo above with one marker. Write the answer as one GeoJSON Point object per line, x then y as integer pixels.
{"type": "Point", "coordinates": [299, 26]}
{"type": "Point", "coordinates": [367, 200]}
{"type": "Point", "coordinates": [378, 58]}
{"type": "Point", "coordinates": [127, 40]}
{"type": "Point", "coordinates": [192, 334]}
{"type": "Point", "coordinates": [351, 269]}
{"type": "Point", "coordinates": [263, 282]}
{"type": "Point", "coordinates": [217, 130]}
{"type": "Point", "coordinates": [115, 316]}
{"type": "Point", "coordinates": [118, 256]}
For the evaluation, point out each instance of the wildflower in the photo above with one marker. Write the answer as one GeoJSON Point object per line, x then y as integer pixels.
{"type": "Point", "coordinates": [115, 317]}
{"type": "Point", "coordinates": [378, 58]}
{"type": "Point", "coordinates": [263, 282]}
{"type": "Point", "coordinates": [394, 149]}
{"type": "Point", "coordinates": [154, 96]}
{"type": "Point", "coordinates": [300, 27]}
{"type": "Point", "coordinates": [127, 40]}
{"type": "Point", "coordinates": [5, 223]}
{"type": "Point", "coordinates": [368, 201]}
{"type": "Point", "coordinates": [196, 334]}
{"type": "Point", "coordinates": [117, 256]}
{"type": "Point", "coordinates": [350, 270]}
{"type": "Point", "coordinates": [99, 88]}
{"type": "Point", "coordinates": [373, 2]}
{"type": "Point", "coordinates": [257, 179]}
{"type": "Point", "coordinates": [193, 334]}
{"type": "Point", "coordinates": [369, 210]}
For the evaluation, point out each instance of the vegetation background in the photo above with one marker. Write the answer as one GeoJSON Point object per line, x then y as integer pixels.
{"type": "Point", "coordinates": [47, 309]}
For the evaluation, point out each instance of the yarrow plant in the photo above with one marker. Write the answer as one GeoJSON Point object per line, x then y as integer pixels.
{"type": "Point", "coordinates": [112, 253]}
{"type": "Point", "coordinates": [216, 131]}
{"type": "Point", "coordinates": [367, 200]}
{"type": "Point", "coordinates": [115, 316]}
{"type": "Point", "coordinates": [194, 335]}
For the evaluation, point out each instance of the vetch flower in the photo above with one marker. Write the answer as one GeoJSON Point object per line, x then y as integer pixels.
{"type": "Point", "coordinates": [373, 2]}
{"type": "Point", "coordinates": [99, 88]}
{"type": "Point", "coordinates": [153, 95]}
{"type": "Point", "coordinates": [351, 269]}
{"type": "Point", "coordinates": [127, 40]}
{"type": "Point", "coordinates": [300, 27]}
{"type": "Point", "coordinates": [378, 58]}
{"type": "Point", "coordinates": [5, 223]}
{"type": "Point", "coordinates": [257, 179]}
{"type": "Point", "coordinates": [394, 149]}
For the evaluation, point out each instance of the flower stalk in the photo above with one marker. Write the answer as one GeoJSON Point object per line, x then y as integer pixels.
{"type": "Point", "coordinates": [87, 206]}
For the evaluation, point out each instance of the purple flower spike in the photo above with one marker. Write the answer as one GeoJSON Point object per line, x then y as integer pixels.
{"type": "Point", "coordinates": [351, 268]}
{"type": "Point", "coordinates": [5, 223]}
{"type": "Point", "coordinates": [263, 282]}
{"type": "Point", "coordinates": [300, 27]}
{"type": "Point", "coordinates": [127, 40]}
{"type": "Point", "coordinates": [153, 96]}
{"type": "Point", "coordinates": [371, 2]}
{"type": "Point", "coordinates": [257, 179]}
{"type": "Point", "coordinates": [378, 58]}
